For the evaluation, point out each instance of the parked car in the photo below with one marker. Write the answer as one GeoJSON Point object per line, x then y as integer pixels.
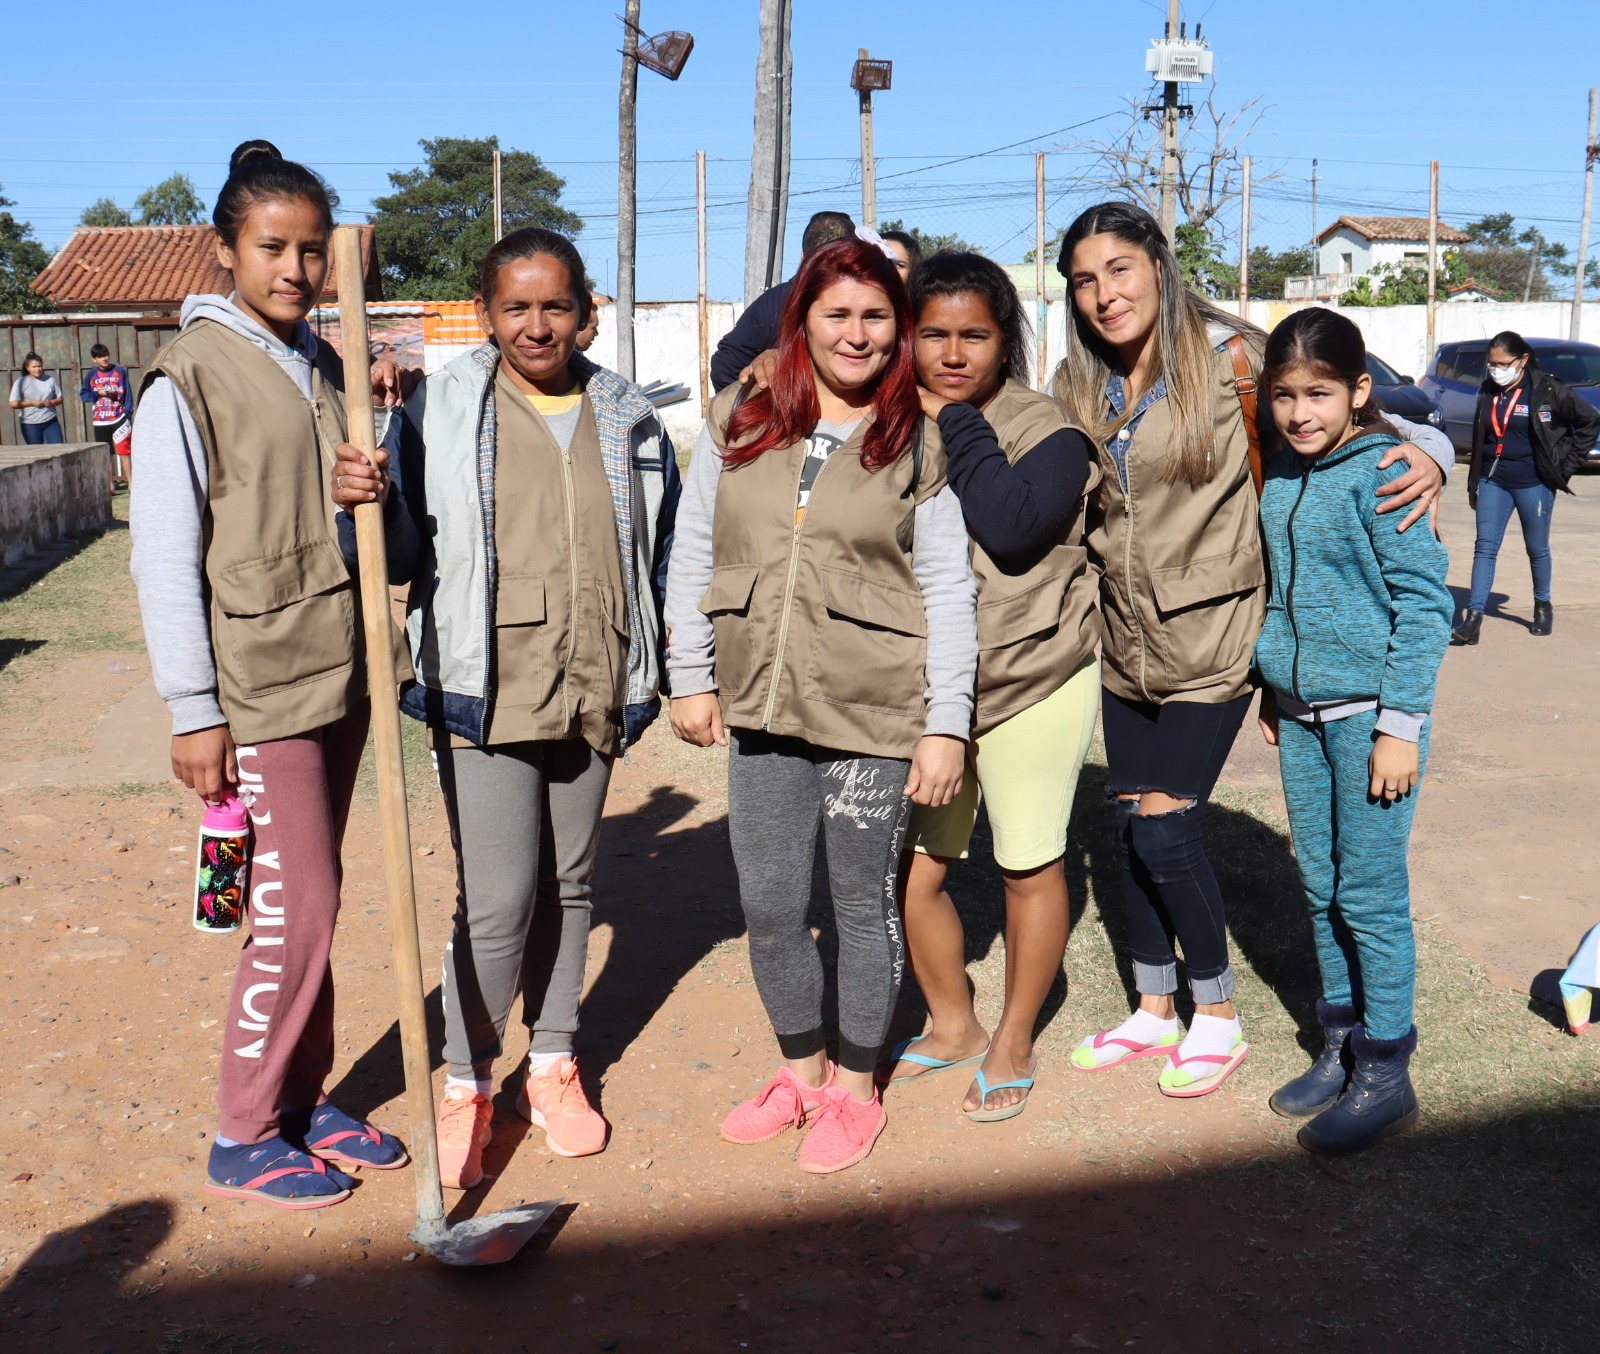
{"type": "Point", "coordinates": [1397, 394]}
{"type": "Point", "coordinates": [1457, 372]}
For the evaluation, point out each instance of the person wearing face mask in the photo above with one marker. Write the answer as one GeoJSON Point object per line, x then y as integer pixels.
{"type": "Point", "coordinates": [545, 488]}
{"type": "Point", "coordinates": [1529, 435]}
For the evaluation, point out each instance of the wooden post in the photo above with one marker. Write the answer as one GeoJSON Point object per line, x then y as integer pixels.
{"type": "Point", "coordinates": [627, 188]}
{"type": "Point", "coordinates": [703, 307]}
{"type": "Point", "coordinates": [869, 164]}
{"type": "Point", "coordinates": [1244, 245]}
{"type": "Point", "coordinates": [1041, 301]}
{"type": "Point", "coordinates": [1433, 260]}
{"type": "Point", "coordinates": [378, 630]}
{"type": "Point", "coordinates": [1591, 153]}
{"type": "Point", "coordinates": [499, 229]}
{"type": "Point", "coordinates": [769, 155]}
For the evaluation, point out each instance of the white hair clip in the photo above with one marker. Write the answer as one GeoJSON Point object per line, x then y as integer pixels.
{"type": "Point", "coordinates": [867, 235]}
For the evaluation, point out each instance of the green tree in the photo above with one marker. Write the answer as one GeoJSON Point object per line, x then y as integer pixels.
{"type": "Point", "coordinates": [1269, 269]}
{"type": "Point", "coordinates": [22, 258]}
{"type": "Point", "coordinates": [105, 212]}
{"type": "Point", "coordinates": [437, 225]}
{"type": "Point", "coordinates": [1201, 263]}
{"type": "Point", "coordinates": [928, 244]}
{"type": "Point", "coordinates": [1515, 263]}
{"type": "Point", "coordinates": [1392, 284]}
{"type": "Point", "coordinates": [172, 202]}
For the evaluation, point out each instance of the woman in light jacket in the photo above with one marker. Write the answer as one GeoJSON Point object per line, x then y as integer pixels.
{"type": "Point", "coordinates": [545, 487]}
{"type": "Point", "coordinates": [820, 608]}
{"type": "Point", "coordinates": [1175, 534]}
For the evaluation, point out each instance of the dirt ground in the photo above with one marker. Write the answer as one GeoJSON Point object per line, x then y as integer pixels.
{"type": "Point", "coordinates": [1105, 1217]}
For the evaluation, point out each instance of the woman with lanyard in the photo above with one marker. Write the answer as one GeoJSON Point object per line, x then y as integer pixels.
{"type": "Point", "coordinates": [1161, 379]}
{"type": "Point", "coordinates": [1529, 435]}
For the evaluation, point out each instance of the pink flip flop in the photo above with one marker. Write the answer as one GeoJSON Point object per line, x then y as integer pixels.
{"type": "Point", "coordinates": [1225, 1064]}
{"type": "Point", "coordinates": [1135, 1051]}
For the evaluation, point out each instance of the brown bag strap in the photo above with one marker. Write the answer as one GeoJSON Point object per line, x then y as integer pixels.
{"type": "Point", "coordinates": [1244, 383]}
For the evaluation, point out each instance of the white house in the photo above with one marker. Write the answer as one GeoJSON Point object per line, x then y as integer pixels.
{"type": "Point", "coordinates": [1355, 245]}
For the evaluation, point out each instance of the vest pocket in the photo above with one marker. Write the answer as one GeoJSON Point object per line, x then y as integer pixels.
{"type": "Point", "coordinates": [287, 619]}
{"type": "Point", "coordinates": [1207, 618]}
{"type": "Point", "coordinates": [519, 600]}
{"type": "Point", "coordinates": [727, 603]}
{"type": "Point", "coordinates": [611, 677]}
{"type": "Point", "coordinates": [1004, 621]}
{"type": "Point", "coordinates": [871, 646]}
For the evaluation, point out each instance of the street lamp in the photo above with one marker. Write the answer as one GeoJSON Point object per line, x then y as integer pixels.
{"type": "Point", "coordinates": [866, 76]}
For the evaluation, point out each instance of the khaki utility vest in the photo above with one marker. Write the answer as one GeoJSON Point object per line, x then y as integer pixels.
{"type": "Point", "coordinates": [820, 629]}
{"type": "Point", "coordinates": [1183, 585]}
{"type": "Point", "coordinates": [285, 612]}
{"type": "Point", "coordinates": [1036, 629]}
{"type": "Point", "coordinates": [560, 615]}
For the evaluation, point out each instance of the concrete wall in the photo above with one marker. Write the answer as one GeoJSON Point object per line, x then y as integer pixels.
{"type": "Point", "coordinates": [50, 492]}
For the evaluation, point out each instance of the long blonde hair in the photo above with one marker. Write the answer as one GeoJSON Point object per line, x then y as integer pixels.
{"type": "Point", "coordinates": [1181, 352]}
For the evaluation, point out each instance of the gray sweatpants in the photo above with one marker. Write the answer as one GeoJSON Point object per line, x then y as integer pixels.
{"type": "Point", "coordinates": [525, 823]}
{"type": "Point", "coordinates": [780, 790]}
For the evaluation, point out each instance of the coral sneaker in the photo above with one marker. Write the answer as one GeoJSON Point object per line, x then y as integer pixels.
{"type": "Point", "coordinates": [783, 1103]}
{"type": "Point", "coordinates": [554, 1100]}
{"type": "Point", "coordinates": [466, 1123]}
{"type": "Point", "coordinates": [843, 1132]}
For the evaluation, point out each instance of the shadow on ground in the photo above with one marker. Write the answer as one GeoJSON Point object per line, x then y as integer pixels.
{"type": "Point", "coordinates": [1477, 1237]}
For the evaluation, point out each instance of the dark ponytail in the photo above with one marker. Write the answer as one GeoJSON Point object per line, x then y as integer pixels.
{"type": "Point", "coordinates": [257, 173]}
{"type": "Point", "coordinates": [1331, 346]}
{"type": "Point", "coordinates": [1509, 341]}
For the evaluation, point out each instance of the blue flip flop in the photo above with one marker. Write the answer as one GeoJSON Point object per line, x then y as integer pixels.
{"type": "Point", "coordinates": [901, 1055]}
{"type": "Point", "coordinates": [983, 1116]}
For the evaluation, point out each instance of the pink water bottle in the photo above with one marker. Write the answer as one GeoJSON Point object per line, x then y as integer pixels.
{"type": "Point", "coordinates": [220, 872]}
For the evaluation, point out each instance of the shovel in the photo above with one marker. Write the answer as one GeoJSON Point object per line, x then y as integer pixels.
{"type": "Point", "coordinates": [492, 1238]}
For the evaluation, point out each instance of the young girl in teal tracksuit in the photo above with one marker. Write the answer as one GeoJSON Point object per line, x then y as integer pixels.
{"type": "Point", "coordinates": [1358, 620]}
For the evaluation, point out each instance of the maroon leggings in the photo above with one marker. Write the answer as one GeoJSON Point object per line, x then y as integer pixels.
{"type": "Point", "coordinates": [278, 1046]}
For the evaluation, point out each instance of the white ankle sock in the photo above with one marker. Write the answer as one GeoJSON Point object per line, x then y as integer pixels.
{"type": "Point", "coordinates": [1144, 1027]}
{"type": "Point", "coordinates": [1209, 1034]}
{"type": "Point", "coordinates": [540, 1063]}
{"type": "Point", "coordinates": [482, 1087]}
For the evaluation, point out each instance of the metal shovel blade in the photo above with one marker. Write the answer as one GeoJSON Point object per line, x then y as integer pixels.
{"type": "Point", "coordinates": [488, 1240]}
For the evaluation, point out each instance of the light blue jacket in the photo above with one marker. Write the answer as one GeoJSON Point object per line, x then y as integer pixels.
{"type": "Point", "coordinates": [1355, 609]}
{"type": "Point", "coordinates": [447, 462]}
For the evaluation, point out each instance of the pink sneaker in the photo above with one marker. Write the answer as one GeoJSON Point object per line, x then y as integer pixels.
{"type": "Point", "coordinates": [466, 1123]}
{"type": "Point", "coordinates": [784, 1102]}
{"type": "Point", "coordinates": [843, 1133]}
{"type": "Point", "coordinates": [554, 1100]}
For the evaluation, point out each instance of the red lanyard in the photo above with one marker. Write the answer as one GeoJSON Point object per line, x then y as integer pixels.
{"type": "Point", "coordinates": [1494, 418]}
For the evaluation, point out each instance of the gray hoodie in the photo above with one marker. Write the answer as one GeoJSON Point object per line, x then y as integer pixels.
{"type": "Point", "coordinates": [166, 511]}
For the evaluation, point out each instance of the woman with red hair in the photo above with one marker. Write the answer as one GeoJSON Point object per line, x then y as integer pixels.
{"type": "Point", "coordinates": [821, 618]}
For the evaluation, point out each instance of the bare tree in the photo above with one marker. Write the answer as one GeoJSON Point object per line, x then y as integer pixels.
{"type": "Point", "coordinates": [1210, 147]}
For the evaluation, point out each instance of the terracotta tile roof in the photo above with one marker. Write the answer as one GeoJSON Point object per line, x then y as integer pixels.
{"type": "Point", "coordinates": [1407, 228]}
{"type": "Point", "coordinates": [1472, 284]}
{"type": "Point", "coordinates": [134, 266]}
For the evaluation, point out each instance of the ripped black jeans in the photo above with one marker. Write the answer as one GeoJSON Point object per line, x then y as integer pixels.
{"type": "Point", "coordinates": [1169, 890]}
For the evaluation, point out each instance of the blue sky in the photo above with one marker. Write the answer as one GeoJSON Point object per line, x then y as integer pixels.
{"type": "Point", "coordinates": [1373, 92]}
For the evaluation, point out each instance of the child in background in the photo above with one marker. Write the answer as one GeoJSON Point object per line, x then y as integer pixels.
{"type": "Point", "coordinates": [109, 395]}
{"type": "Point", "coordinates": [253, 622]}
{"type": "Point", "coordinates": [1358, 619]}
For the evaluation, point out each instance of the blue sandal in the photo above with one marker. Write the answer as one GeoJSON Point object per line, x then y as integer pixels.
{"type": "Point", "coordinates": [901, 1055]}
{"type": "Point", "coordinates": [328, 1132]}
{"type": "Point", "coordinates": [986, 1116]}
{"type": "Point", "coordinates": [276, 1172]}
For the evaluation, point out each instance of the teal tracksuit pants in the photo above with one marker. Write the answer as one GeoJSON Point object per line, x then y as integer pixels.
{"type": "Point", "coordinates": [1352, 856]}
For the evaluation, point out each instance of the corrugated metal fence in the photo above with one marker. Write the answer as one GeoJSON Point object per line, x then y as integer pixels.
{"type": "Point", "coordinates": [63, 342]}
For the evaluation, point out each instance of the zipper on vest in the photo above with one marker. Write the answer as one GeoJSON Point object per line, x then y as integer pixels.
{"type": "Point", "coordinates": [1127, 561]}
{"type": "Point", "coordinates": [1288, 601]}
{"type": "Point", "coordinates": [788, 586]}
{"type": "Point", "coordinates": [573, 594]}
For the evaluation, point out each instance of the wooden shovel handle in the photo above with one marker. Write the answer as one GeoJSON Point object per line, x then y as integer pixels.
{"type": "Point", "coordinates": [372, 556]}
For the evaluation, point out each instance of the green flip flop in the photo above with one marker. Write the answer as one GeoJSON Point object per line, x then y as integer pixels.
{"type": "Point", "coordinates": [983, 1116]}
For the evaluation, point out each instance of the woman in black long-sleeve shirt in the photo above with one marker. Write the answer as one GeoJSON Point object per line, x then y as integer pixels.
{"type": "Point", "coordinates": [1021, 471]}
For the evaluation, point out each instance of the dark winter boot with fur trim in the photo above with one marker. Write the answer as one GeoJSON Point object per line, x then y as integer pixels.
{"type": "Point", "coordinates": [1318, 1087]}
{"type": "Point", "coordinates": [1378, 1102]}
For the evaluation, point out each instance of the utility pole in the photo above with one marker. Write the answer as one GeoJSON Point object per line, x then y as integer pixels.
{"type": "Point", "coordinates": [702, 306]}
{"type": "Point", "coordinates": [869, 163]}
{"type": "Point", "coordinates": [499, 230]}
{"type": "Point", "coordinates": [627, 188]}
{"type": "Point", "coordinates": [1244, 244]}
{"type": "Point", "coordinates": [1316, 260]}
{"type": "Point", "coordinates": [1433, 260]}
{"type": "Point", "coordinates": [1590, 155]}
{"type": "Point", "coordinates": [769, 157]}
{"type": "Point", "coordinates": [1041, 302]}
{"type": "Point", "coordinates": [1169, 141]}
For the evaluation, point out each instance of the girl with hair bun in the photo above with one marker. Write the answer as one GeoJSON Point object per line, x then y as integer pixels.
{"type": "Point", "coordinates": [246, 578]}
{"type": "Point", "coordinates": [545, 487]}
{"type": "Point", "coordinates": [1021, 471]}
{"type": "Point", "coordinates": [820, 611]}
{"type": "Point", "coordinates": [1357, 622]}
